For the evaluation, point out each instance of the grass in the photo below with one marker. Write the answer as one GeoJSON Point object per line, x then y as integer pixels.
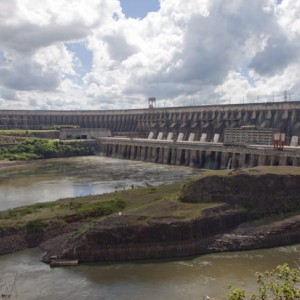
{"type": "Point", "coordinates": [143, 204]}
{"type": "Point", "coordinates": [152, 202]}
{"type": "Point", "coordinates": [261, 170]}
{"type": "Point", "coordinates": [22, 132]}
{"type": "Point", "coordinates": [148, 202]}
{"type": "Point", "coordinates": [35, 225]}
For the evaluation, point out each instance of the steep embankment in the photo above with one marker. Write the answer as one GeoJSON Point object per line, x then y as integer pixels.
{"type": "Point", "coordinates": [263, 190]}
{"type": "Point", "coordinates": [265, 195]}
{"type": "Point", "coordinates": [219, 211]}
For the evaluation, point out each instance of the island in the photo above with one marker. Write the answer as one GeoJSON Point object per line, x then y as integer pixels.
{"type": "Point", "coordinates": [223, 210]}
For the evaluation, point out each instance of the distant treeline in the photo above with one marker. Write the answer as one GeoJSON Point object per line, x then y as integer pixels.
{"type": "Point", "coordinates": [35, 148]}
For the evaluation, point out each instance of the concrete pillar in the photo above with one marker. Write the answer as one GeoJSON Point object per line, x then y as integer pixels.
{"type": "Point", "coordinates": [234, 162]}
{"type": "Point", "coordinates": [180, 137]}
{"type": "Point", "coordinates": [160, 136]}
{"type": "Point", "coordinates": [193, 158]}
{"type": "Point", "coordinates": [274, 160]}
{"type": "Point", "coordinates": [117, 150]}
{"type": "Point", "coordinates": [242, 160]}
{"type": "Point", "coordinates": [174, 154]}
{"type": "Point", "coordinates": [135, 152]}
{"type": "Point", "coordinates": [218, 160]}
{"type": "Point", "coordinates": [143, 153]}
{"type": "Point", "coordinates": [155, 154]}
{"type": "Point", "coordinates": [127, 152]}
{"type": "Point", "coordinates": [282, 160]}
{"type": "Point", "coordinates": [178, 157]}
{"type": "Point", "coordinates": [285, 115]}
{"type": "Point", "coordinates": [132, 149]}
{"type": "Point", "coordinates": [268, 115]}
{"type": "Point", "coordinates": [191, 137]}
{"type": "Point", "coordinates": [296, 161]}
{"type": "Point", "coordinates": [203, 137]}
{"type": "Point", "coordinates": [187, 157]}
{"type": "Point", "coordinates": [104, 149]}
{"type": "Point", "coordinates": [170, 136]}
{"type": "Point", "coordinates": [261, 160]}
{"type": "Point", "coordinates": [165, 155]}
{"type": "Point", "coordinates": [252, 160]}
{"type": "Point", "coordinates": [139, 153]}
{"type": "Point", "coordinates": [121, 151]}
{"type": "Point", "coordinates": [111, 146]}
{"type": "Point", "coordinates": [114, 151]}
{"type": "Point", "coordinates": [149, 156]}
{"type": "Point", "coordinates": [224, 160]}
{"type": "Point", "coordinates": [161, 155]}
{"type": "Point", "coordinates": [216, 138]}
{"type": "Point", "coordinates": [150, 135]}
{"type": "Point", "coordinates": [210, 159]}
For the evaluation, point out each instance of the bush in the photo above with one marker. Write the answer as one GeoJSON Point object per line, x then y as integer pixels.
{"type": "Point", "coordinates": [35, 148]}
{"type": "Point", "coordinates": [98, 209]}
{"type": "Point", "coordinates": [282, 283]}
{"type": "Point", "coordinates": [35, 225]}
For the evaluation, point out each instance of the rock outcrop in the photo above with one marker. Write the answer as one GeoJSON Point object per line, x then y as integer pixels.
{"type": "Point", "coordinates": [265, 190]}
{"type": "Point", "coordinates": [248, 209]}
{"type": "Point", "coordinates": [249, 195]}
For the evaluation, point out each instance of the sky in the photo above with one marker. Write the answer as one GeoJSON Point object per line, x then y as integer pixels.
{"type": "Point", "coordinates": [111, 54]}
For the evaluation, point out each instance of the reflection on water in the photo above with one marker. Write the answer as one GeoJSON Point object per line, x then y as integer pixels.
{"type": "Point", "coordinates": [189, 278]}
{"type": "Point", "coordinates": [60, 178]}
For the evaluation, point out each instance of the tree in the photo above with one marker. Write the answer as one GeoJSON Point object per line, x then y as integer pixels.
{"type": "Point", "coordinates": [282, 283]}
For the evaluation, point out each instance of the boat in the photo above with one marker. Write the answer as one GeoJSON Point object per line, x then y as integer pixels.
{"type": "Point", "coordinates": [63, 263]}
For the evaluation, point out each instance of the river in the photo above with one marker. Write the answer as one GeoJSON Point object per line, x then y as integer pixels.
{"type": "Point", "coordinates": [185, 278]}
{"type": "Point", "coordinates": [54, 179]}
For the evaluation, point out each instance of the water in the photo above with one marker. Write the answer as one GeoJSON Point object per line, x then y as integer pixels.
{"type": "Point", "coordinates": [60, 178]}
{"type": "Point", "coordinates": [189, 278]}
{"type": "Point", "coordinates": [183, 278]}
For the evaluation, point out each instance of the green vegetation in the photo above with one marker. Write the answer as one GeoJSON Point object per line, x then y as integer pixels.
{"type": "Point", "coordinates": [81, 207]}
{"type": "Point", "coordinates": [282, 283]}
{"type": "Point", "coordinates": [25, 133]}
{"type": "Point", "coordinates": [35, 148]}
{"type": "Point", "coordinates": [149, 202]}
{"type": "Point", "coordinates": [97, 209]}
{"type": "Point", "coordinates": [35, 225]}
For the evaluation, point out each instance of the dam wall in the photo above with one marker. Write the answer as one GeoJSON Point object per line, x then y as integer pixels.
{"type": "Point", "coordinates": [209, 120]}
{"type": "Point", "coordinates": [198, 154]}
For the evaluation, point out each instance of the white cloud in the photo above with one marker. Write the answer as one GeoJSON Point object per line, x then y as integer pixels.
{"type": "Point", "coordinates": [189, 52]}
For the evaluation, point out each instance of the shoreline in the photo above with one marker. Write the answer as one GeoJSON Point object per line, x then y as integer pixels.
{"type": "Point", "coordinates": [13, 163]}
{"type": "Point", "coordinates": [228, 210]}
{"type": "Point", "coordinates": [142, 242]}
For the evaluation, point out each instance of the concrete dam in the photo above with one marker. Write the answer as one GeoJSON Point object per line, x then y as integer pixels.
{"type": "Point", "coordinates": [194, 136]}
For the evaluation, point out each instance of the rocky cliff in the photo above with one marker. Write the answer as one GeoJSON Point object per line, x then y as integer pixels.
{"type": "Point", "coordinates": [254, 216]}
{"type": "Point", "coordinates": [265, 190]}
{"type": "Point", "coordinates": [225, 210]}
